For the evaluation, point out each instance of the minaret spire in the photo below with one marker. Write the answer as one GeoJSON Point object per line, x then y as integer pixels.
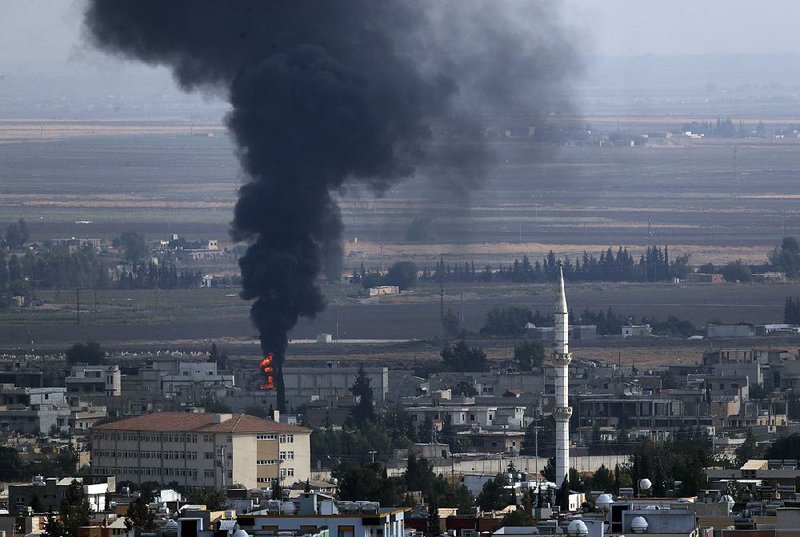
{"type": "Point", "coordinates": [561, 359]}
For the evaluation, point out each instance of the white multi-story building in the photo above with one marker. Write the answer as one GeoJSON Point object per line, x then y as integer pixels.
{"type": "Point", "coordinates": [201, 449]}
{"type": "Point", "coordinates": [94, 380]}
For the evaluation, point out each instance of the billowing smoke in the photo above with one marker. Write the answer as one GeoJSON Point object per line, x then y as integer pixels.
{"type": "Point", "coordinates": [328, 92]}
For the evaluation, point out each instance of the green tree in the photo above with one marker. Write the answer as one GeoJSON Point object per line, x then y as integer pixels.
{"type": "Point", "coordinates": [14, 237]}
{"type": "Point", "coordinates": [493, 495]}
{"type": "Point", "coordinates": [89, 353]}
{"type": "Point", "coordinates": [736, 271]}
{"type": "Point", "coordinates": [140, 516]}
{"type": "Point", "coordinates": [529, 355]}
{"type": "Point", "coordinates": [213, 499]}
{"type": "Point", "coordinates": [10, 464]}
{"type": "Point", "coordinates": [402, 274]}
{"type": "Point", "coordinates": [562, 496]}
{"type": "Point", "coordinates": [462, 357]}
{"type": "Point", "coordinates": [420, 230]}
{"type": "Point", "coordinates": [787, 257]}
{"type": "Point", "coordinates": [451, 323]}
{"type": "Point", "coordinates": [748, 450]}
{"type": "Point", "coordinates": [506, 322]}
{"type": "Point", "coordinates": [364, 410]}
{"type": "Point", "coordinates": [603, 479]}
{"type": "Point", "coordinates": [75, 509]}
{"type": "Point", "coordinates": [134, 246]}
{"type": "Point", "coordinates": [369, 482]}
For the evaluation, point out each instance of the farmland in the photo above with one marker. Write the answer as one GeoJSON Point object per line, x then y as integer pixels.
{"type": "Point", "coordinates": [717, 200]}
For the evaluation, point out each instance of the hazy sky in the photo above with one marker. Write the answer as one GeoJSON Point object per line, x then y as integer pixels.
{"type": "Point", "coordinates": [47, 32]}
{"type": "Point", "coordinates": [677, 27]}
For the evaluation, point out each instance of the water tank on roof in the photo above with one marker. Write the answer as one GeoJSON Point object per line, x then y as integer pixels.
{"type": "Point", "coordinates": [240, 533]}
{"type": "Point", "coordinates": [639, 525]}
{"type": "Point", "coordinates": [577, 528]}
{"type": "Point", "coordinates": [604, 501]}
{"type": "Point", "coordinates": [288, 508]}
{"type": "Point", "coordinates": [645, 484]}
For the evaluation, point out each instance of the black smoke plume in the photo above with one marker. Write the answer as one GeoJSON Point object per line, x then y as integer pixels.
{"type": "Point", "coordinates": [325, 92]}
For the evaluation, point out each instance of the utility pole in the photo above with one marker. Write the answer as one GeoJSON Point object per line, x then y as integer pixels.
{"type": "Point", "coordinates": [78, 305]}
{"type": "Point", "coordinates": [461, 323]}
{"type": "Point", "coordinates": [441, 299]}
{"type": "Point", "coordinates": [95, 305]}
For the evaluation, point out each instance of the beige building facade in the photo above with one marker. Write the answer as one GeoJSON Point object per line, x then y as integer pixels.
{"type": "Point", "coordinates": [202, 450]}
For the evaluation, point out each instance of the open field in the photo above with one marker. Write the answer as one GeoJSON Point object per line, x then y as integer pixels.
{"type": "Point", "coordinates": [715, 199]}
{"type": "Point", "coordinates": [199, 316]}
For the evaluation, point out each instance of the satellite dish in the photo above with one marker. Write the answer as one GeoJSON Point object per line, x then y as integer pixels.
{"type": "Point", "coordinates": [645, 484]}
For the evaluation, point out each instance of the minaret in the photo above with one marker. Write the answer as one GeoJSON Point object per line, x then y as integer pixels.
{"type": "Point", "coordinates": [561, 359]}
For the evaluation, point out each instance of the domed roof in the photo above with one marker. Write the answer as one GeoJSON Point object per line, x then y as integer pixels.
{"type": "Point", "coordinates": [577, 528]}
{"type": "Point", "coordinates": [604, 500]}
{"type": "Point", "coordinates": [639, 524]}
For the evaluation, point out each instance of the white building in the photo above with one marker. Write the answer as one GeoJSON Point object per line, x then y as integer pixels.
{"type": "Point", "coordinates": [94, 380]}
{"type": "Point", "coordinates": [313, 512]}
{"type": "Point", "coordinates": [202, 450]}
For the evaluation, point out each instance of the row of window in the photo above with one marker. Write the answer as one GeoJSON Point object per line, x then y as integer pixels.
{"type": "Point", "coordinates": [287, 472]}
{"type": "Point", "coordinates": [132, 454]}
{"type": "Point", "coordinates": [266, 479]}
{"type": "Point", "coordinates": [267, 462]}
{"type": "Point", "coordinates": [267, 436]}
{"type": "Point", "coordinates": [148, 470]}
{"type": "Point", "coordinates": [153, 437]}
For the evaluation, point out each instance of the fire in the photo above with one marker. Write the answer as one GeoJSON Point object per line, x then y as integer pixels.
{"type": "Point", "coordinates": [266, 367]}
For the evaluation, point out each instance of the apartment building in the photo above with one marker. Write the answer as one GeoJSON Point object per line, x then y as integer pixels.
{"type": "Point", "coordinates": [94, 380]}
{"type": "Point", "coordinates": [202, 449]}
{"type": "Point", "coordinates": [33, 410]}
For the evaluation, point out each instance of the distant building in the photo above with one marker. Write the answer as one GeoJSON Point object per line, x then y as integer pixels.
{"type": "Point", "coordinates": [94, 380]}
{"type": "Point", "coordinates": [730, 330]}
{"type": "Point", "coordinates": [701, 277]}
{"type": "Point", "coordinates": [202, 450]}
{"type": "Point", "coordinates": [304, 384]}
{"type": "Point", "coordinates": [49, 493]}
{"type": "Point", "coordinates": [33, 410]}
{"type": "Point", "coordinates": [315, 513]}
{"type": "Point", "coordinates": [633, 330]}
{"type": "Point", "coordinates": [383, 290]}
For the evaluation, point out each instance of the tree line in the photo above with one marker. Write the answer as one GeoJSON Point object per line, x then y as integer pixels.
{"type": "Point", "coordinates": [55, 269]}
{"type": "Point", "coordinates": [651, 266]}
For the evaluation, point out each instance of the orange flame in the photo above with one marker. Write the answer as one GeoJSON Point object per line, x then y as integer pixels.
{"type": "Point", "coordinates": [266, 367]}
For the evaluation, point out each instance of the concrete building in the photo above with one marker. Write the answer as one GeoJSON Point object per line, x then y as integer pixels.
{"type": "Point", "coordinates": [561, 359]}
{"type": "Point", "coordinates": [314, 512]}
{"type": "Point", "coordinates": [94, 380]}
{"type": "Point", "coordinates": [305, 384]}
{"type": "Point", "coordinates": [643, 330]}
{"type": "Point", "coordinates": [201, 449]}
{"type": "Point", "coordinates": [730, 330]}
{"type": "Point", "coordinates": [47, 494]}
{"type": "Point", "coordinates": [33, 410]}
{"type": "Point", "coordinates": [188, 381]}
